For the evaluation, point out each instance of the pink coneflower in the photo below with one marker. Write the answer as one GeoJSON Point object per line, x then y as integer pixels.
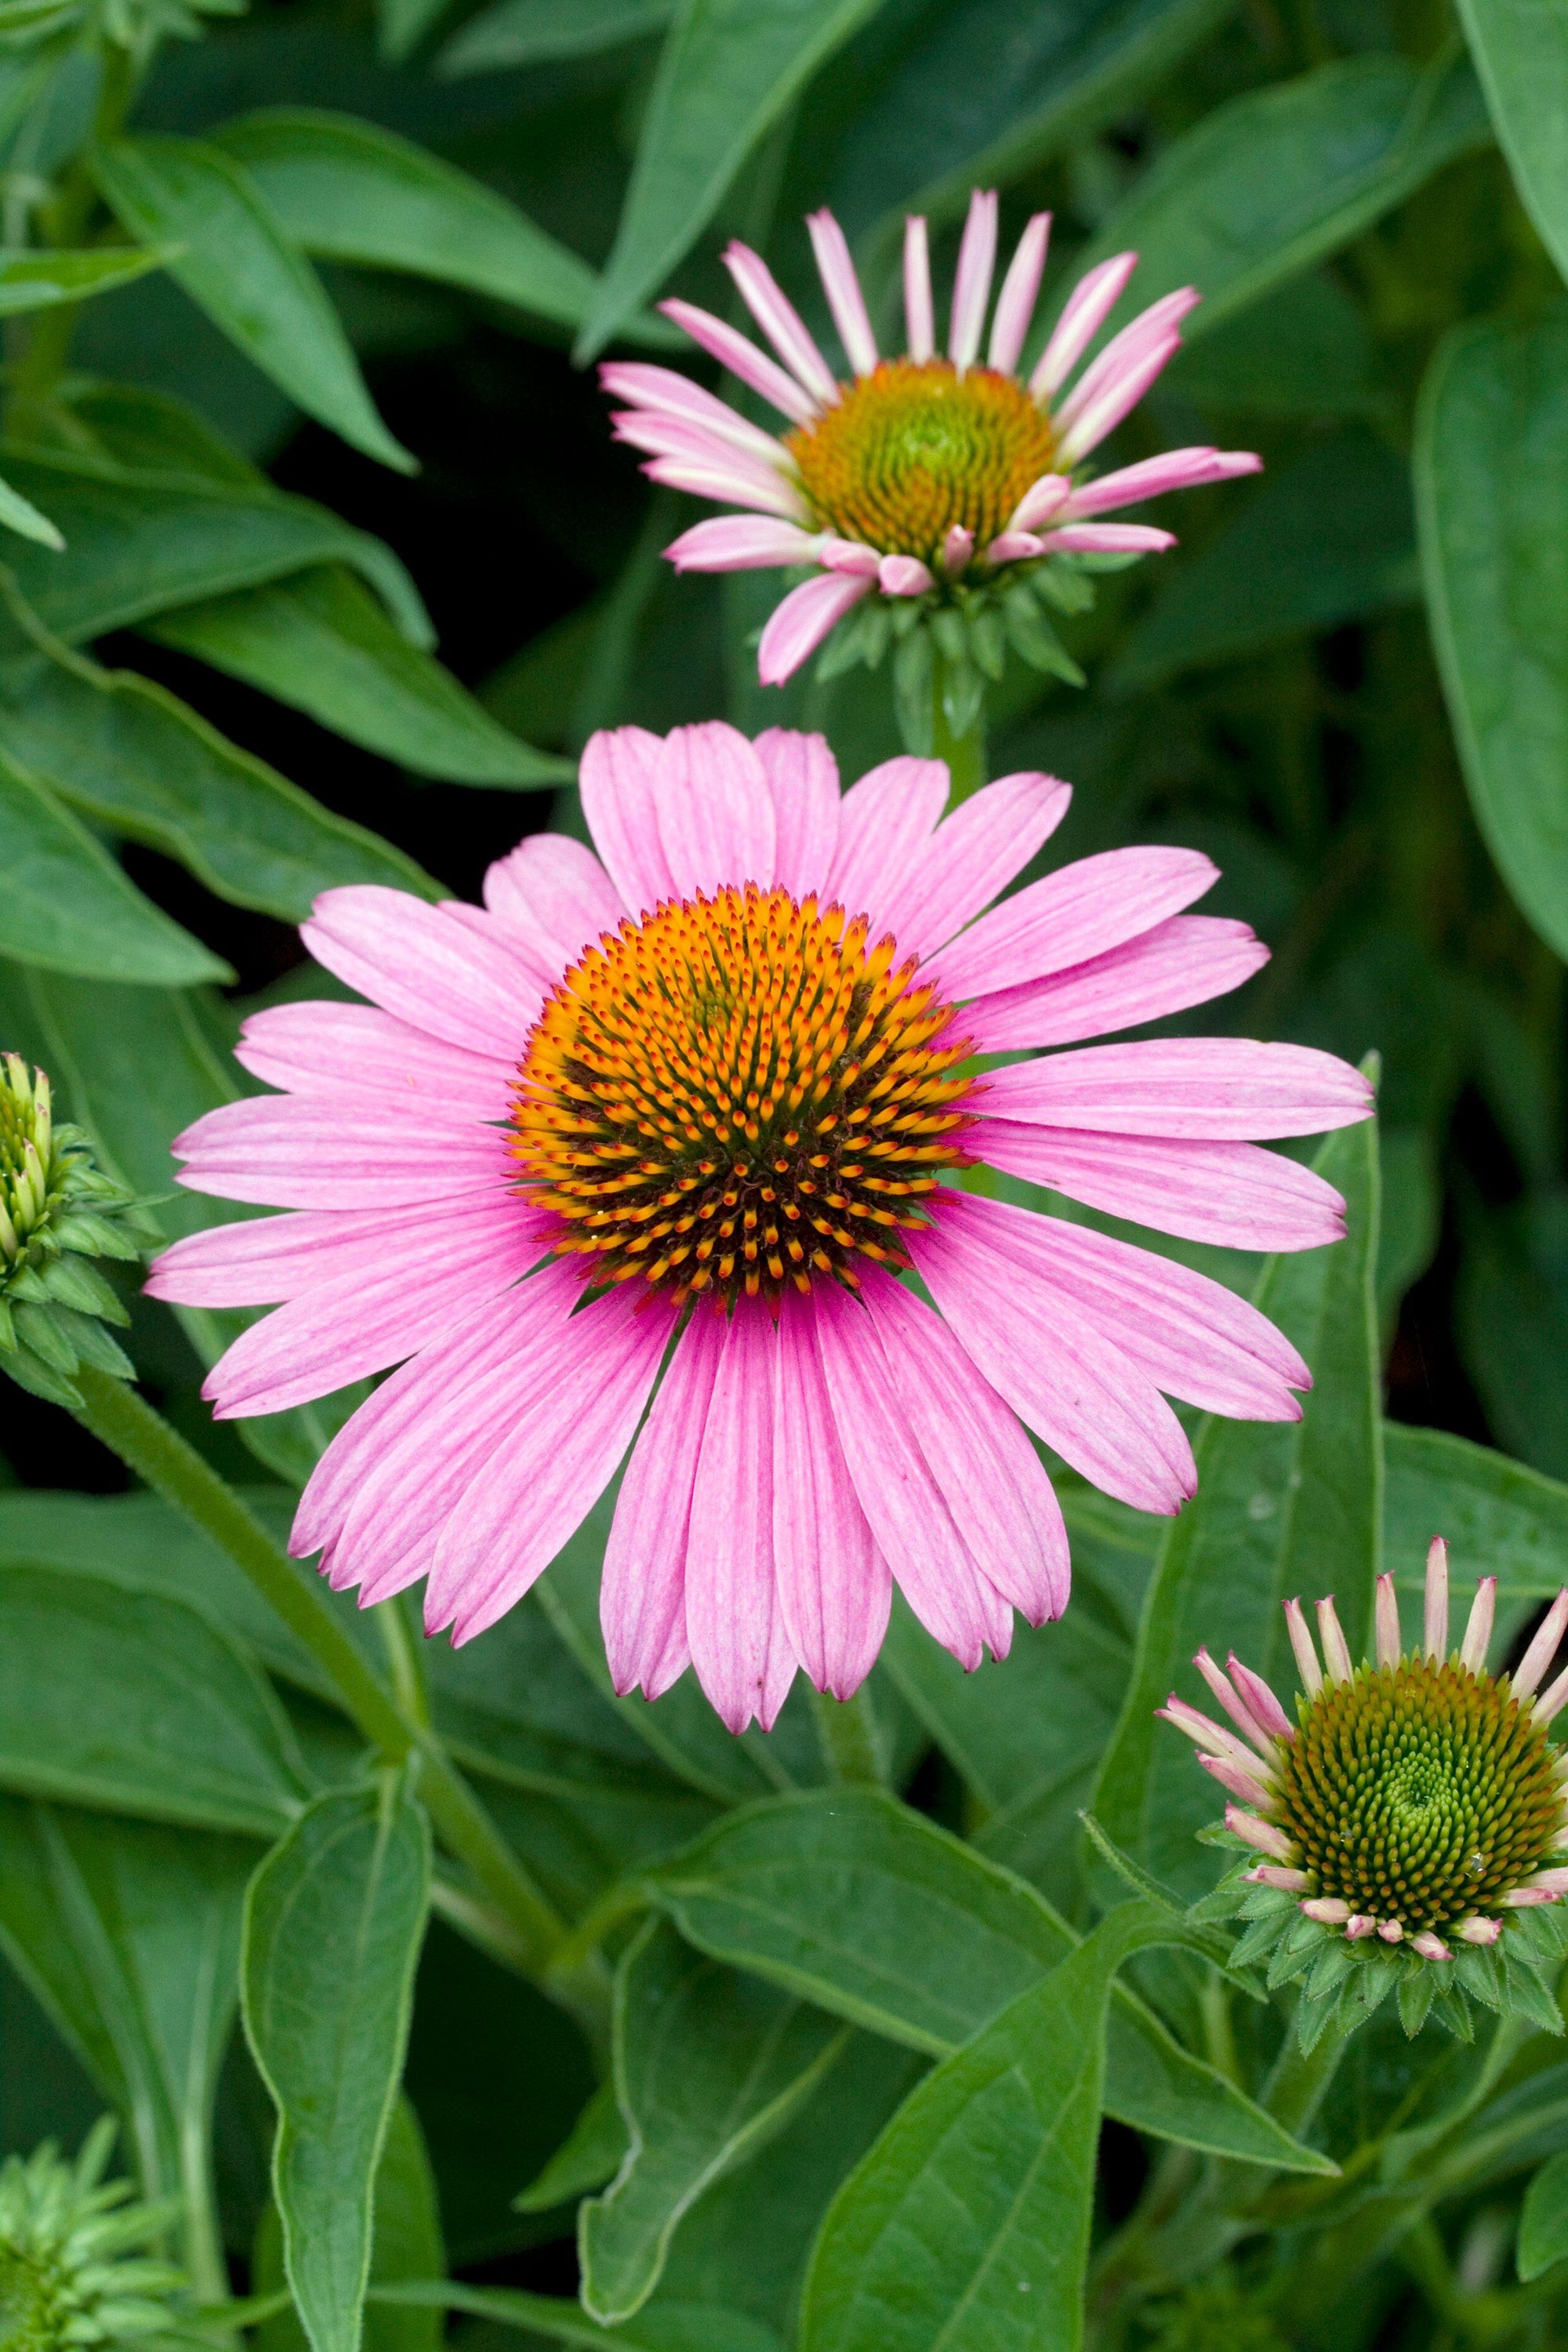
{"type": "Point", "coordinates": [922, 474]}
{"type": "Point", "coordinates": [687, 1106]}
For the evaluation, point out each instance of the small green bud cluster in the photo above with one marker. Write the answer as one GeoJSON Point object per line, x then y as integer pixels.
{"type": "Point", "coordinates": [71, 2273]}
{"type": "Point", "coordinates": [58, 1212]}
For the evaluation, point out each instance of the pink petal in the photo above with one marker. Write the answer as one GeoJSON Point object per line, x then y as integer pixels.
{"type": "Point", "coordinates": [1117, 401]}
{"type": "Point", "coordinates": [904, 575]}
{"type": "Point", "coordinates": [973, 853]}
{"type": "Point", "coordinates": [1061, 1375]}
{"type": "Point", "coordinates": [261, 1261]}
{"type": "Point", "coordinates": [427, 966]}
{"type": "Point", "coordinates": [991, 1478]}
{"type": "Point", "coordinates": [972, 285]}
{"type": "Point", "coordinates": [555, 896]}
{"type": "Point", "coordinates": [733, 1624]}
{"type": "Point", "coordinates": [324, 1048]}
{"type": "Point", "coordinates": [802, 776]}
{"type": "Point", "coordinates": [1086, 310]}
{"type": "Point", "coordinates": [756, 474]}
{"type": "Point", "coordinates": [297, 1151]}
{"type": "Point", "coordinates": [1040, 501]}
{"type": "Point", "coordinates": [742, 358]}
{"type": "Point", "coordinates": [1109, 538]}
{"type": "Point", "coordinates": [1080, 911]}
{"type": "Point", "coordinates": [835, 1589]}
{"type": "Point", "coordinates": [1124, 357]}
{"type": "Point", "coordinates": [842, 287]}
{"type": "Point", "coordinates": [715, 810]}
{"type": "Point", "coordinates": [660, 392]}
{"type": "Point", "coordinates": [729, 483]}
{"type": "Point", "coordinates": [910, 1520]}
{"type": "Point", "coordinates": [642, 1593]}
{"type": "Point", "coordinates": [780, 321]}
{"type": "Point", "coordinates": [885, 822]}
{"type": "Point", "coordinates": [1184, 961]}
{"type": "Point", "coordinates": [1234, 1194]}
{"type": "Point", "coordinates": [1174, 469]}
{"type": "Point", "coordinates": [1015, 303]}
{"type": "Point", "coordinates": [743, 543]}
{"type": "Point", "coordinates": [919, 317]}
{"type": "Point", "coordinates": [956, 550]}
{"type": "Point", "coordinates": [849, 555]}
{"type": "Point", "coordinates": [1229, 1090]}
{"type": "Point", "coordinates": [1014, 547]}
{"type": "Point", "coordinates": [616, 777]}
{"type": "Point", "coordinates": [521, 1506]}
{"type": "Point", "coordinates": [797, 626]}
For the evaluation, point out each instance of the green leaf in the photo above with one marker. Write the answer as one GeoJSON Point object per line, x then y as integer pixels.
{"type": "Point", "coordinates": [1511, 1313]}
{"type": "Point", "coordinates": [114, 1695]}
{"type": "Point", "coordinates": [1332, 540]}
{"type": "Point", "coordinates": [1276, 179]}
{"type": "Point", "coordinates": [1543, 2223]}
{"type": "Point", "coordinates": [66, 905]}
{"type": "Point", "coordinates": [851, 1900]}
{"type": "Point", "coordinates": [967, 2224]}
{"type": "Point", "coordinates": [32, 281]}
{"type": "Point", "coordinates": [19, 514]}
{"type": "Point", "coordinates": [140, 540]}
{"type": "Point", "coordinates": [593, 2153]}
{"type": "Point", "coordinates": [405, 2243]}
{"type": "Point", "coordinates": [728, 70]}
{"type": "Point", "coordinates": [1281, 1508]}
{"type": "Point", "coordinates": [537, 32]}
{"type": "Point", "coordinates": [241, 266]}
{"type": "Point", "coordinates": [671, 2327]}
{"type": "Point", "coordinates": [333, 1930]}
{"type": "Point", "coordinates": [321, 643]}
{"type": "Point", "coordinates": [1303, 350]}
{"type": "Point", "coordinates": [1521, 58]}
{"type": "Point", "coordinates": [710, 2064]}
{"type": "Point", "coordinates": [1491, 498]}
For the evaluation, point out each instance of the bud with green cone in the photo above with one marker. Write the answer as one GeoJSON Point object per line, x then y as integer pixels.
{"type": "Point", "coordinates": [73, 2272]}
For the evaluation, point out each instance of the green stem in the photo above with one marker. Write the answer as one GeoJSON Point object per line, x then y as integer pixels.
{"type": "Point", "coordinates": [851, 1741]}
{"type": "Point", "coordinates": [965, 753]}
{"type": "Point", "coordinates": [1301, 2078]}
{"type": "Point", "coordinates": [124, 1421]}
{"type": "Point", "coordinates": [66, 224]}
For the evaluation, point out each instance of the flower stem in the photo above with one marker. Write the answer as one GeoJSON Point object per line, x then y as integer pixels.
{"type": "Point", "coordinates": [1301, 2078]}
{"type": "Point", "coordinates": [964, 753]}
{"type": "Point", "coordinates": [851, 1740]}
{"type": "Point", "coordinates": [124, 1421]}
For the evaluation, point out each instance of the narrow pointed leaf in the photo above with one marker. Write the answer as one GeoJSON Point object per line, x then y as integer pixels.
{"type": "Point", "coordinates": [537, 32]}
{"type": "Point", "coordinates": [31, 282]}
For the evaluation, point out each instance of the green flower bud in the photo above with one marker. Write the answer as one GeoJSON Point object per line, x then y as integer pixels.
{"type": "Point", "coordinates": [71, 2274]}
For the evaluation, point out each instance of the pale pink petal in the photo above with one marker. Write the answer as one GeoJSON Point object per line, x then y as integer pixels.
{"type": "Point", "coordinates": [849, 555]}
{"type": "Point", "coordinates": [1109, 538]}
{"type": "Point", "coordinates": [729, 484]}
{"type": "Point", "coordinates": [1174, 469]}
{"type": "Point", "coordinates": [1124, 356]}
{"type": "Point", "coordinates": [842, 287]}
{"type": "Point", "coordinates": [797, 626]}
{"type": "Point", "coordinates": [1234, 1194]}
{"type": "Point", "coordinates": [324, 1048]}
{"type": "Point", "coordinates": [904, 575]}
{"type": "Point", "coordinates": [1040, 501]}
{"type": "Point", "coordinates": [802, 776]}
{"type": "Point", "coordinates": [971, 285]}
{"type": "Point", "coordinates": [885, 822]}
{"type": "Point", "coordinates": [1081, 910]}
{"type": "Point", "coordinates": [1063, 1378]}
{"type": "Point", "coordinates": [1117, 401]}
{"type": "Point", "coordinates": [1014, 547]}
{"type": "Point", "coordinates": [715, 810]}
{"type": "Point", "coordinates": [909, 1517]}
{"type": "Point", "coordinates": [298, 1151]}
{"type": "Point", "coordinates": [956, 550]}
{"type": "Point", "coordinates": [262, 1261]}
{"type": "Point", "coordinates": [742, 358]}
{"type": "Point", "coordinates": [521, 1506]}
{"type": "Point", "coordinates": [733, 1623]}
{"type": "Point", "coordinates": [1086, 310]}
{"type": "Point", "coordinates": [990, 1475]}
{"type": "Point", "coordinates": [743, 543]}
{"type": "Point", "coordinates": [662, 393]}
{"type": "Point", "coordinates": [659, 435]}
{"type": "Point", "coordinates": [779, 319]}
{"type": "Point", "coordinates": [555, 896]}
{"type": "Point", "coordinates": [615, 778]}
{"type": "Point", "coordinates": [920, 318]}
{"type": "Point", "coordinates": [1184, 961]}
{"type": "Point", "coordinates": [973, 854]}
{"type": "Point", "coordinates": [834, 1588]}
{"type": "Point", "coordinates": [642, 1593]}
{"type": "Point", "coordinates": [1015, 303]}
{"type": "Point", "coordinates": [1229, 1090]}
{"type": "Point", "coordinates": [427, 966]}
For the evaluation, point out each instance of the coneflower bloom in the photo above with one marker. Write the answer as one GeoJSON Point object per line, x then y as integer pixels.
{"type": "Point", "coordinates": [922, 472]}
{"type": "Point", "coordinates": [688, 1104]}
{"type": "Point", "coordinates": [1414, 1816]}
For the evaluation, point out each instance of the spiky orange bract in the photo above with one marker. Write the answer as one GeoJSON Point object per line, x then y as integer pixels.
{"type": "Point", "coordinates": [914, 449]}
{"type": "Point", "coordinates": [1419, 1792]}
{"type": "Point", "coordinates": [735, 1093]}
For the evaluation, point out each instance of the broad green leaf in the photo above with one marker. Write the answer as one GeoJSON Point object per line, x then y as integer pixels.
{"type": "Point", "coordinates": [1303, 350]}
{"type": "Point", "coordinates": [670, 2327]}
{"type": "Point", "coordinates": [593, 2153]}
{"type": "Point", "coordinates": [322, 643]}
{"type": "Point", "coordinates": [405, 2243]}
{"type": "Point", "coordinates": [1499, 1518]}
{"type": "Point", "coordinates": [332, 1929]}
{"type": "Point", "coordinates": [66, 905]}
{"type": "Point", "coordinates": [1491, 502]}
{"type": "Point", "coordinates": [536, 32]}
{"type": "Point", "coordinates": [966, 2226]}
{"type": "Point", "coordinates": [709, 2064]}
{"type": "Point", "coordinates": [130, 754]}
{"type": "Point", "coordinates": [115, 1696]}
{"type": "Point", "coordinates": [871, 1910]}
{"type": "Point", "coordinates": [1522, 61]}
{"type": "Point", "coordinates": [1282, 1508]}
{"type": "Point", "coordinates": [242, 268]}
{"type": "Point", "coordinates": [31, 282]}
{"type": "Point", "coordinates": [1543, 2223]}
{"type": "Point", "coordinates": [1511, 1312]}
{"type": "Point", "coordinates": [128, 1934]}
{"type": "Point", "coordinates": [728, 70]}
{"type": "Point", "coordinates": [350, 191]}
{"type": "Point", "coordinates": [140, 540]}
{"type": "Point", "coordinates": [1330, 540]}
{"type": "Point", "coordinates": [1276, 179]}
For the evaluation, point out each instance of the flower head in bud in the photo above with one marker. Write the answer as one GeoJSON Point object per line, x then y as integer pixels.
{"type": "Point", "coordinates": [58, 1212]}
{"type": "Point", "coordinates": [72, 2272]}
{"type": "Point", "coordinates": [1410, 1815]}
